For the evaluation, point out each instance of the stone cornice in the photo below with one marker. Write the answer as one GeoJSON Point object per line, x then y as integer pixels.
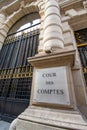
{"type": "Point", "coordinates": [14, 6]}
{"type": "Point", "coordinates": [81, 19]}
{"type": "Point", "coordinates": [17, 4]}
{"type": "Point", "coordinates": [64, 3]}
{"type": "Point", "coordinates": [8, 9]}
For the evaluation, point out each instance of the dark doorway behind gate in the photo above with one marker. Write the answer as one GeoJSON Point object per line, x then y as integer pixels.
{"type": "Point", "coordinates": [81, 39]}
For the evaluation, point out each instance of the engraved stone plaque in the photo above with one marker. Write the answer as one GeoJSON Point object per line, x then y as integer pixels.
{"type": "Point", "coordinates": [51, 86]}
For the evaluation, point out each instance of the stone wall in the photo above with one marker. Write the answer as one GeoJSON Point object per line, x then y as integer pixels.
{"type": "Point", "coordinates": [57, 27]}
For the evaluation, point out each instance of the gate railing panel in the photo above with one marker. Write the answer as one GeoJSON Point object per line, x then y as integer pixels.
{"type": "Point", "coordinates": [81, 39]}
{"type": "Point", "coordinates": [15, 72]}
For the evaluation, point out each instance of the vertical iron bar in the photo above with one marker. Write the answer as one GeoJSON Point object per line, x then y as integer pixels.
{"type": "Point", "coordinates": [7, 60]}
{"type": "Point", "coordinates": [4, 55]}
{"type": "Point", "coordinates": [31, 45]}
{"type": "Point", "coordinates": [21, 53]}
{"type": "Point", "coordinates": [26, 51]}
{"type": "Point", "coordinates": [34, 45]}
{"type": "Point", "coordinates": [37, 43]}
{"type": "Point", "coordinates": [15, 54]}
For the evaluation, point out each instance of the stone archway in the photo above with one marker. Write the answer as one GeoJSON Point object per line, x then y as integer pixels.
{"type": "Point", "coordinates": [28, 20]}
{"type": "Point", "coordinates": [50, 30]}
{"type": "Point", "coordinates": [19, 9]}
{"type": "Point", "coordinates": [9, 18]}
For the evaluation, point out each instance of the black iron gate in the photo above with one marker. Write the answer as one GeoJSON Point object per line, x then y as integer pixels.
{"type": "Point", "coordinates": [83, 55]}
{"type": "Point", "coordinates": [81, 39]}
{"type": "Point", "coordinates": [16, 73]}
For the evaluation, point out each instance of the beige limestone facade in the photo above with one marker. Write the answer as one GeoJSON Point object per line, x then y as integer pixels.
{"type": "Point", "coordinates": [57, 47]}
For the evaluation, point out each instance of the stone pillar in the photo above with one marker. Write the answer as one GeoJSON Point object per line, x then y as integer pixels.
{"type": "Point", "coordinates": [53, 103]}
{"type": "Point", "coordinates": [53, 37]}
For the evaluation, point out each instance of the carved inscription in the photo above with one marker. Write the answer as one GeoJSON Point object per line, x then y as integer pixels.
{"type": "Point", "coordinates": [51, 86]}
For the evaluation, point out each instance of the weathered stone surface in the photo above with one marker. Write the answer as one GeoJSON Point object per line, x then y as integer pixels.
{"type": "Point", "coordinates": [52, 38]}
{"type": "Point", "coordinates": [67, 119]}
{"type": "Point", "coordinates": [26, 125]}
{"type": "Point", "coordinates": [72, 13]}
{"type": "Point", "coordinates": [51, 86]}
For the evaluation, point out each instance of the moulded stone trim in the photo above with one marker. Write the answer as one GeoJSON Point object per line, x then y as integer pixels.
{"type": "Point", "coordinates": [53, 43]}
{"type": "Point", "coordinates": [71, 13]}
{"type": "Point", "coordinates": [50, 37]}
{"type": "Point", "coordinates": [2, 18]}
{"type": "Point", "coordinates": [51, 3]}
{"type": "Point", "coordinates": [42, 20]}
{"type": "Point", "coordinates": [2, 38]}
{"type": "Point", "coordinates": [3, 32]}
{"type": "Point", "coordinates": [5, 27]}
{"type": "Point", "coordinates": [40, 5]}
{"type": "Point", "coordinates": [9, 23]}
{"type": "Point", "coordinates": [53, 34]}
{"type": "Point", "coordinates": [20, 11]}
{"type": "Point", "coordinates": [53, 27]}
{"type": "Point", "coordinates": [54, 14]}
{"type": "Point", "coordinates": [41, 29]}
{"type": "Point", "coordinates": [68, 37]}
{"type": "Point", "coordinates": [51, 6]}
{"type": "Point", "coordinates": [66, 29]}
{"type": "Point", "coordinates": [52, 24]}
{"type": "Point", "coordinates": [51, 9]}
{"type": "Point", "coordinates": [9, 9]}
{"type": "Point", "coordinates": [53, 19]}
